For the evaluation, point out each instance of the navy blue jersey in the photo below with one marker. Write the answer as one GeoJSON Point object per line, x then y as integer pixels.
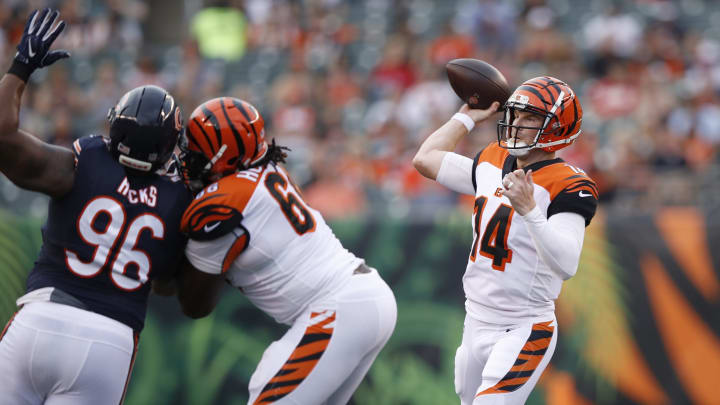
{"type": "Point", "coordinates": [111, 234]}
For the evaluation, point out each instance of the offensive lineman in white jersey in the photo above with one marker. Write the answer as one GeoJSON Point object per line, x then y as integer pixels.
{"type": "Point", "coordinates": [251, 227]}
{"type": "Point", "coordinates": [529, 220]}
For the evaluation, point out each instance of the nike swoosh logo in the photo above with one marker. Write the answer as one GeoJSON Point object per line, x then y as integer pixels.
{"type": "Point", "coordinates": [209, 229]}
{"type": "Point", "coordinates": [581, 194]}
{"type": "Point", "coordinates": [31, 53]}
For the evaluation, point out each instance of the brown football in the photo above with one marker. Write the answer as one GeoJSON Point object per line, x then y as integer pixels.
{"type": "Point", "coordinates": [477, 83]}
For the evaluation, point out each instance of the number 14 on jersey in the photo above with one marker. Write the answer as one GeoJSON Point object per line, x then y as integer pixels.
{"type": "Point", "coordinates": [493, 241]}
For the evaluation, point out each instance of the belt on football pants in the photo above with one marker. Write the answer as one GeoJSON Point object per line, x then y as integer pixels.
{"type": "Point", "coordinates": [362, 269]}
{"type": "Point", "coordinates": [61, 297]}
{"type": "Point", "coordinates": [51, 294]}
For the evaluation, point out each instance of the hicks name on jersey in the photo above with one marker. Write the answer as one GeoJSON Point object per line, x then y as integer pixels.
{"type": "Point", "coordinates": [147, 195]}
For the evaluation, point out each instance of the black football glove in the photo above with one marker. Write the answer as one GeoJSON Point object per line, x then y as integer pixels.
{"type": "Point", "coordinates": [33, 51]}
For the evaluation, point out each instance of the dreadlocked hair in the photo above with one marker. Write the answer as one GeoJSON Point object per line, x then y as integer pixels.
{"type": "Point", "coordinates": [275, 154]}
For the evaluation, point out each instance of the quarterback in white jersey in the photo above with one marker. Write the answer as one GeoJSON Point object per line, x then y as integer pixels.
{"type": "Point", "coordinates": [529, 220]}
{"type": "Point", "coordinates": [250, 226]}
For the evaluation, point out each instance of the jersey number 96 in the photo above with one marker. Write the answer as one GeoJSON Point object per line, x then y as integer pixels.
{"type": "Point", "coordinates": [104, 240]}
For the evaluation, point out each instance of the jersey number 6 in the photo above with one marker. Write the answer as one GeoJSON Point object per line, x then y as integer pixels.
{"type": "Point", "coordinates": [105, 240]}
{"type": "Point", "coordinates": [493, 243]}
{"type": "Point", "coordinates": [291, 204]}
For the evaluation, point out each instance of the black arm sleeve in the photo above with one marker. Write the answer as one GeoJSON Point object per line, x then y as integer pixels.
{"type": "Point", "coordinates": [577, 199]}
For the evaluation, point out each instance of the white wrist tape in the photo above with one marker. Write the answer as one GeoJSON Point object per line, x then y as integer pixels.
{"type": "Point", "coordinates": [465, 119]}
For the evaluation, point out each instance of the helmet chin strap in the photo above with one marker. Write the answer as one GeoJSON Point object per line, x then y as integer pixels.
{"type": "Point", "coordinates": [560, 142]}
{"type": "Point", "coordinates": [519, 149]}
{"type": "Point", "coordinates": [519, 152]}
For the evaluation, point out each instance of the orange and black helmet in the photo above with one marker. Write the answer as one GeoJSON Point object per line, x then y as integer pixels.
{"type": "Point", "coordinates": [550, 98]}
{"type": "Point", "coordinates": [223, 135]}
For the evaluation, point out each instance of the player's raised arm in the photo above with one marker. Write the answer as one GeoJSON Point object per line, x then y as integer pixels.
{"type": "Point", "coordinates": [429, 157]}
{"type": "Point", "coordinates": [24, 159]}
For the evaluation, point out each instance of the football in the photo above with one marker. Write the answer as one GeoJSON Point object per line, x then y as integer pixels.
{"type": "Point", "coordinates": [477, 83]}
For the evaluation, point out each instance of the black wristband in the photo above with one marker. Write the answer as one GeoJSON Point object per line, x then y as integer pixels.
{"type": "Point", "coordinates": [21, 70]}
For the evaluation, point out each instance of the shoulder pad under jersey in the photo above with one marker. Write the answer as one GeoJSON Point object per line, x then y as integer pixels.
{"type": "Point", "coordinates": [86, 142]}
{"type": "Point", "coordinates": [571, 190]}
{"type": "Point", "coordinates": [493, 154]}
{"type": "Point", "coordinates": [218, 209]}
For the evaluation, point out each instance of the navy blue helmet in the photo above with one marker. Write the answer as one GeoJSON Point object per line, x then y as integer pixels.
{"type": "Point", "coordinates": [144, 128]}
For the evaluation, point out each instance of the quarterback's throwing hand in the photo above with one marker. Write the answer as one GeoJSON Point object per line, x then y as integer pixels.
{"type": "Point", "coordinates": [519, 190]}
{"type": "Point", "coordinates": [33, 51]}
{"type": "Point", "coordinates": [478, 115]}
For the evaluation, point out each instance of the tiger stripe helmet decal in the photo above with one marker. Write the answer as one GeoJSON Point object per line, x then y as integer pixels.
{"type": "Point", "coordinates": [555, 101]}
{"type": "Point", "coordinates": [223, 135]}
{"type": "Point", "coordinates": [527, 361]}
{"type": "Point", "coordinates": [302, 360]}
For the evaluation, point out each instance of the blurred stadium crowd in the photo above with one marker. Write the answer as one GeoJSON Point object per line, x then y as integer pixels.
{"type": "Point", "coordinates": [352, 87]}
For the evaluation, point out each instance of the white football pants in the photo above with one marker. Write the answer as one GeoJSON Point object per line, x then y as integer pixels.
{"type": "Point", "coordinates": [500, 365]}
{"type": "Point", "coordinates": [57, 354]}
{"type": "Point", "coordinates": [326, 353]}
